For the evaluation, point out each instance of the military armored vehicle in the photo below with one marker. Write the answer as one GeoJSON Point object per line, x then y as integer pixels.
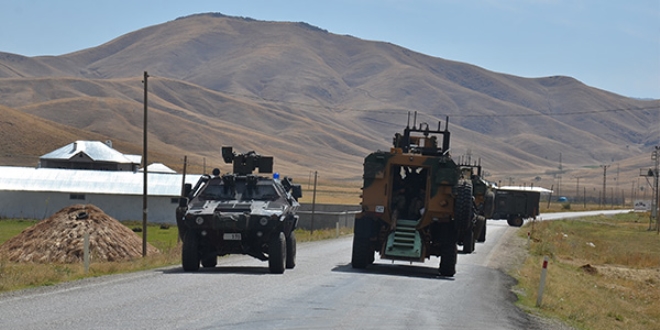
{"type": "Point", "coordinates": [239, 213]}
{"type": "Point", "coordinates": [483, 192]}
{"type": "Point", "coordinates": [417, 202]}
{"type": "Point", "coordinates": [516, 205]}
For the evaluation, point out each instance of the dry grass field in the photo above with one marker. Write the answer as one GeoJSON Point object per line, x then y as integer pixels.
{"type": "Point", "coordinates": [603, 273]}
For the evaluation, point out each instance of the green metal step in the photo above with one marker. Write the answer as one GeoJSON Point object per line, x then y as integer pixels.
{"type": "Point", "coordinates": [404, 242]}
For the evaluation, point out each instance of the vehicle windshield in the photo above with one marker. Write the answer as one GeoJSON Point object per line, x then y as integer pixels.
{"type": "Point", "coordinates": [263, 191]}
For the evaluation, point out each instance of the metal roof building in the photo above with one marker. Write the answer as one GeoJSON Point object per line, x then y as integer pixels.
{"type": "Point", "coordinates": [90, 155]}
{"type": "Point", "coordinates": [37, 193]}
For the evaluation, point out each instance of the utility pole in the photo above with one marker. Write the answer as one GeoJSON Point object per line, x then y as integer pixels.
{"type": "Point", "coordinates": [604, 181]}
{"type": "Point", "coordinates": [144, 168]}
{"type": "Point", "coordinates": [654, 173]}
{"type": "Point", "coordinates": [560, 172]}
{"type": "Point", "coordinates": [577, 188]}
{"type": "Point", "coordinates": [655, 156]}
{"type": "Point", "coordinates": [616, 183]}
{"type": "Point", "coordinates": [313, 204]}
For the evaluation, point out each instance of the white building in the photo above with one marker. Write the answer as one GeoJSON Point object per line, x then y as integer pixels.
{"type": "Point", "coordinates": [90, 155]}
{"type": "Point", "coordinates": [90, 172]}
{"type": "Point", "coordinates": [37, 193]}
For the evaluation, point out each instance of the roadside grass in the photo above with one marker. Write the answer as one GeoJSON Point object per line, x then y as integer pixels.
{"type": "Point", "coordinates": [17, 276]}
{"type": "Point", "coordinates": [553, 207]}
{"type": "Point", "coordinates": [603, 273]}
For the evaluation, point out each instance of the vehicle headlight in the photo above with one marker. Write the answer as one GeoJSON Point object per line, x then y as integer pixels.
{"type": "Point", "coordinates": [199, 220]}
{"type": "Point", "coordinates": [263, 221]}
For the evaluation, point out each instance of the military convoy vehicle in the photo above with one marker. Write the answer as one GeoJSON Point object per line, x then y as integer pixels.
{"type": "Point", "coordinates": [516, 205]}
{"type": "Point", "coordinates": [239, 213]}
{"type": "Point", "coordinates": [417, 202]}
{"type": "Point", "coordinates": [483, 192]}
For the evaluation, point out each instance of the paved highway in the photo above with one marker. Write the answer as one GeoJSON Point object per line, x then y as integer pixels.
{"type": "Point", "coordinates": [322, 292]}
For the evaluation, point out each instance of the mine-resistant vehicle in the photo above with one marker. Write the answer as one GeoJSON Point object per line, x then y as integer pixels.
{"type": "Point", "coordinates": [516, 205]}
{"type": "Point", "coordinates": [417, 202]}
{"type": "Point", "coordinates": [239, 213]}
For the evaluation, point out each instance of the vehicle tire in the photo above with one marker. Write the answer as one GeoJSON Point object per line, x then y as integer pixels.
{"type": "Point", "coordinates": [448, 256]}
{"type": "Point", "coordinates": [210, 262]}
{"type": "Point", "coordinates": [291, 251]}
{"type": "Point", "coordinates": [515, 221]}
{"type": "Point", "coordinates": [190, 252]}
{"type": "Point", "coordinates": [464, 206]}
{"type": "Point", "coordinates": [468, 241]}
{"type": "Point", "coordinates": [277, 253]}
{"type": "Point", "coordinates": [363, 254]}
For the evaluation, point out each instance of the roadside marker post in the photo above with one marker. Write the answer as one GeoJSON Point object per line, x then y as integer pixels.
{"type": "Point", "coordinates": [529, 237]}
{"type": "Point", "coordinates": [86, 252]}
{"type": "Point", "coordinates": [542, 283]}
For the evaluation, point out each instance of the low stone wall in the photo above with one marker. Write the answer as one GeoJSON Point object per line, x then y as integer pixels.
{"type": "Point", "coordinates": [326, 216]}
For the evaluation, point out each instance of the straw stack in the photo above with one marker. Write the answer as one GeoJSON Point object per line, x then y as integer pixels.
{"type": "Point", "coordinates": [60, 238]}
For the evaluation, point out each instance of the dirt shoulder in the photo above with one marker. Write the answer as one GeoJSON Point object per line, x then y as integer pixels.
{"type": "Point", "coordinates": [509, 254]}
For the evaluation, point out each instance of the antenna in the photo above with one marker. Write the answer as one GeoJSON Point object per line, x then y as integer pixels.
{"type": "Point", "coordinates": [415, 121]}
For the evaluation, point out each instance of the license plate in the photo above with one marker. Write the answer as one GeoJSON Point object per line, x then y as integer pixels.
{"type": "Point", "coordinates": [231, 236]}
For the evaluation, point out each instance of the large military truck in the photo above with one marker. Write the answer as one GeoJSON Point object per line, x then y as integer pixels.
{"type": "Point", "coordinates": [516, 205]}
{"type": "Point", "coordinates": [417, 202]}
{"type": "Point", "coordinates": [239, 213]}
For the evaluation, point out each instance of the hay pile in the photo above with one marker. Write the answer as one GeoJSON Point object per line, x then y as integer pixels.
{"type": "Point", "coordinates": [60, 238]}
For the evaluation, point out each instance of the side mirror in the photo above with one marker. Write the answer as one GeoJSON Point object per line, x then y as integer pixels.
{"type": "Point", "coordinates": [183, 201]}
{"type": "Point", "coordinates": [296, 191]}
{"type": "Point", "coordinates": [187, 188]}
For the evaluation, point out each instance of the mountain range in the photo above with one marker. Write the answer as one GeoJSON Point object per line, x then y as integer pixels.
{"type": "Point", "coordinates": [314, 100]}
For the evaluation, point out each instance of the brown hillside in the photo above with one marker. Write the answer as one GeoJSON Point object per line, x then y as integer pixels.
{"type": "Point", "coordinates": [320, 101]}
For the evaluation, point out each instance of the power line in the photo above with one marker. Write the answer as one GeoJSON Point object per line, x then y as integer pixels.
{"type": "Point", "coordinates": [396, 111]}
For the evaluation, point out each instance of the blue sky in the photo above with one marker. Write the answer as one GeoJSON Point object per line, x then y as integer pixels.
{"type": "Point", "coordinates": [608, 44]}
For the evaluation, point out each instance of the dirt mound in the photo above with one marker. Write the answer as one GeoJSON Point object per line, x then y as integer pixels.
{"type": "Point", "coordinates": [60, 238]}
{"type": "Point", "coordinates": [589, 269]}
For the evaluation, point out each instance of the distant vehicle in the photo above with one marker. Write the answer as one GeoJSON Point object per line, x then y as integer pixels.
{"type": "Point", "coordinates": [516, 205]}
{"type": "Point", "coordinates": [239, 213]}
{"type": "Point", "coordinates": [417, 202]}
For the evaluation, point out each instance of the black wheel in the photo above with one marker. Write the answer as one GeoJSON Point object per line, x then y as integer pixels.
{"type": "Point", "coordinates": [515, 221]}
{"type": "Point", "coordinates": [489, 204]}
{"type": "Point", "coordinates": [448, 256]}
{"type": "Point", "coordinates": [210, 262]}
{"type": "Point", "coordinates": [277, 254]}
{"type": "Point", "coordinates": [291, 251]}
{"type": "Point", "coordinates": [468, 241]}
{"type": "Point", "coordinates": [363, 254]}
{"type": "Point", "coordinates": [190, 252]}
{"type": "Point", "coordinates": [482, 234]}
{"type": "Point", "coordinates": [464, 206]}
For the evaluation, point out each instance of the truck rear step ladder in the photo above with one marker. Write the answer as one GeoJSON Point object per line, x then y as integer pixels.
{"type": "Point", "coordinates": [404, 242]}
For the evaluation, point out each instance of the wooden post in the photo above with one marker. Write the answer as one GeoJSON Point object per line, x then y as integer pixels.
{"type": "Point", "coordinates": [144, 164]}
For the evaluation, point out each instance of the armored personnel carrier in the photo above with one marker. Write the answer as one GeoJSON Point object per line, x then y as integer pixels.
{"type": "Point", "coordinates": [239, 213]}
{"type": "Point", "coordinates": [417, 202]}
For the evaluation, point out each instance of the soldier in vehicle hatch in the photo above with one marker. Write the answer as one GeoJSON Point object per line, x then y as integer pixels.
{"type": "Point", "coordinates": [409, 192]}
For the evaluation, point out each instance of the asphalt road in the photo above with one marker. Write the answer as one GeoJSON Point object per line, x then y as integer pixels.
{"type": "Point", "coordinates": [322, 292]}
